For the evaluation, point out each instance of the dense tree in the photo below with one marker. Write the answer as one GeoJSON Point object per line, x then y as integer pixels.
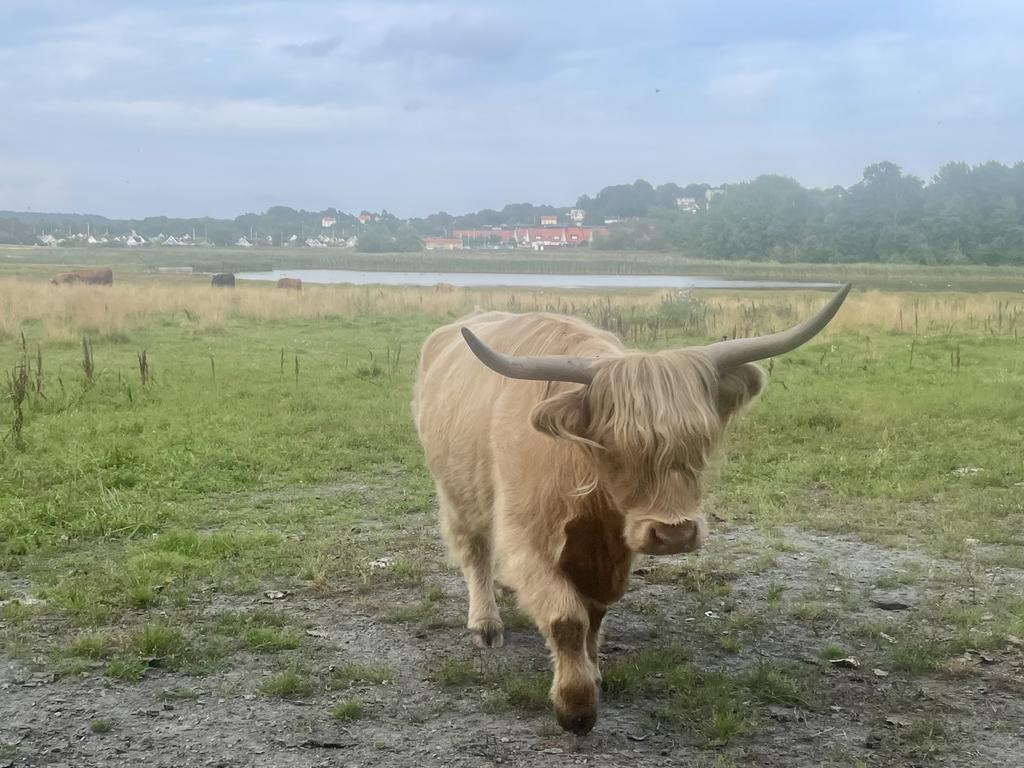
{"type": "Point", "coordinates": [963, 215]}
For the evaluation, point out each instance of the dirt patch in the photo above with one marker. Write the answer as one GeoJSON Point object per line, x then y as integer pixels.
{"type": "Point", "coordinates": [747, 601]}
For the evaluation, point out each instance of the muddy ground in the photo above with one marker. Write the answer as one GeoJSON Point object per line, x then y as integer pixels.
{"type": "Point", "coordinates": [747, 600]}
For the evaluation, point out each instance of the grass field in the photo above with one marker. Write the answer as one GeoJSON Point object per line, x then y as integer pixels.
{"type": "Point", "coordinates": [247, 539]}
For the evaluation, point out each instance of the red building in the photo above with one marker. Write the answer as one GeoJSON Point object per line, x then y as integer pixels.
{"type": "Point", "coordinates": [534, 236]}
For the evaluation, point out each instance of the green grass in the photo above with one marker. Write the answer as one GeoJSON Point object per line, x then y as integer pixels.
{"type": "Point", "coordinates": [519, 691]}
{"type": "Point", "coordinates": [290, 683]}
{"type": "Point", "coordinates": [349, 709]}
{"type": "Point", "coordinates": [341, 677]}
{"type": "Point", "coordinates": [270, 640]}
{"type": "Point", "coordinates": [458, 672]}
{"type": "Point", "coordinates": [101, 725]}
{"type": "Point", "coordinates": [128, 669]}
{"type": "Point", "coordinates": [33, 261]}
{"type": "Point", "coordinates": [832, 652]}
{"type": "Point", "coordinates": [91, 645]}
{"type": "Point", "coordinates": [162, 645]}
{"type": "Point", "coordinates": [150, 521]}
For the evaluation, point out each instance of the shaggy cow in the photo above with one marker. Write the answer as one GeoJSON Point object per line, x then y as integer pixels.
{"type": "Point", "coordinates": [444, 288]}
{"type": "Point", "coordinates": [290, 283]}
{"type": "Point", "coordinates": [223, 280]}
{"type": "Point", "coordinates": [566, 458]}
{"type": "Point", "coordinates": [103, 276]}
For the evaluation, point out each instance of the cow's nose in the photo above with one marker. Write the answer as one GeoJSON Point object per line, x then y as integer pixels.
{"type": "Point", "coordinates": [673, 538]}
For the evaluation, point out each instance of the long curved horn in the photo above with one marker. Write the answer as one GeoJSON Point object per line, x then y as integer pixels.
{"type": "Point", "coordinates": [543, 368]}
{"type": "Point", "coordinates": [729, 354]}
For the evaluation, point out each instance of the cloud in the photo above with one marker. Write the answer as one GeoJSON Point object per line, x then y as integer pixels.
{"type": "Point", "coordinates": [407, 99]}
{"type": "Point", "coordinates": [313, 49]}
{"type": "Point", "coordinates": [741, 88]}
{"type": "Point", "coordinates": [27, 185]}
{"type": "Point", "coordinates": [231, 118]}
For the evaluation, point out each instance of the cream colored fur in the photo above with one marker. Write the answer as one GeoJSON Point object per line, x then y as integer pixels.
{"type": "Point", "coordinates": [516, 462]}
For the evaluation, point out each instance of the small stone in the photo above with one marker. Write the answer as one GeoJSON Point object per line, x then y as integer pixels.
{"type": "Point", "coordinates": [848, 663]}
{"type": "Point", "coordinates": [887, 604]}
{"type": "Point", "coordinates": [967, 471]}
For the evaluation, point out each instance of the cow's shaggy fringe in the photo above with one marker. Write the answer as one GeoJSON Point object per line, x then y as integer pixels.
{"type": "Point", "coordinates": [658, 413]}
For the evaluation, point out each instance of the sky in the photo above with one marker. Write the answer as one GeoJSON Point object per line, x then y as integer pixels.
{"type": "Point", "coordinates": [129, 108]}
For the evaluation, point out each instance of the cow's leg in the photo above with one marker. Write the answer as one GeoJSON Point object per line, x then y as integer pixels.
{"type": "Point", "coordinates": [563, 619]}
{"type": "Point", "coordinates": [471, 541]}
{"type": "Point", "coordinates": [596, 614]}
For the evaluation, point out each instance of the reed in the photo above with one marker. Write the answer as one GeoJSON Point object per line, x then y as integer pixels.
{"type": "Point", "coordinates": [67, 313]}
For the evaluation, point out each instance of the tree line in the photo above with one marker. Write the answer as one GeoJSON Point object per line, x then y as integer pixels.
{"type": "Point", "coordinates": [963, 215]}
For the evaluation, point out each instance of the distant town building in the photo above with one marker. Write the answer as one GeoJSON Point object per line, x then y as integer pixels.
{"type": "Point", "coordinates": [537, 237]}
{"type": "Point", "coordinates": [243, 242]}
{"type": "Point", "coordinates": [687, 204]}
{"type": "Point", "coordinates": [366, 217]}
{"type": "Point", "coordinates": [549, 221]}
{"type": "Point", "coordinates": [328, 221]}
{"type": "Point", "coordinates": [577, 215]}
{"type": "Point", "coordinates": [714, 192]}
{"type": "Point", "coordinates": [442, 243]}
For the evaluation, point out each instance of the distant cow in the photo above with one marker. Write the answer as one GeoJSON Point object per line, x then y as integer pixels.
{"type": "Point", "coordinates": [89, 276]}
{"type": "Point", "coordinates": [444, 288]}
{"type": "Point", "coordinates": [223, 280]}
{"type": "Point", "coordinates": [290, 283]}
{"type": "Point", "coordinates": [559, 454]}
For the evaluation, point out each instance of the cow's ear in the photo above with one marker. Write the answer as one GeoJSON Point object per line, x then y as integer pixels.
{"type": "Point", "coordinates": [738, 387]}
{"type": "Point", "coordinates": [564, 415]}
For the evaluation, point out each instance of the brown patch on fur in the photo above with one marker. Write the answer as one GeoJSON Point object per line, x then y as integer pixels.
{"type": "Point", "coordinates": [567, 634]}
{"type": "Point", "coordinates": [595, 558]}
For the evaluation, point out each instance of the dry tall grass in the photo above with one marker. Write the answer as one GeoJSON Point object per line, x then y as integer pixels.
{"type": "Point", "coordinates": [66, 312]}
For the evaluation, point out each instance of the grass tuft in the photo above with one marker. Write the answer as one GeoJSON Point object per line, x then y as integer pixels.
{"type": "Point", "coordinates": [349, 709]}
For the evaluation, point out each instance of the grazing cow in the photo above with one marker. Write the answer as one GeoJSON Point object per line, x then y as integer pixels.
{"type": "Point", "coordinates": [103, 276]}
{"type": "Point", "coordinates": [223, 280]}
{"type": "Point", "coordinates": [444, 288]}
{"type": "Point", "coordinates": [566, 458]}
{"type": "Point", "coordinates": [290, 283]}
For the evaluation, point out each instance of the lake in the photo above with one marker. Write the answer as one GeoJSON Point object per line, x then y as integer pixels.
{"type": "Point", "coordinates": [517, 280]}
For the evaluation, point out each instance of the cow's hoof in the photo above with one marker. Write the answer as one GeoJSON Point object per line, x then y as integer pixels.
{"type": "Point", "coordinates": [579, 723]}
{"type": "Point", "coordinates": [576, 707]}
{"type": "Point", "coordinates": [490, 634]}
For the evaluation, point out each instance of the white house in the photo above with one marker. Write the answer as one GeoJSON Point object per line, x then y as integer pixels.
{"type": "Point", "coordinates": [687, 204]}
{"type": "Point", "coordinates": [712, 193]}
